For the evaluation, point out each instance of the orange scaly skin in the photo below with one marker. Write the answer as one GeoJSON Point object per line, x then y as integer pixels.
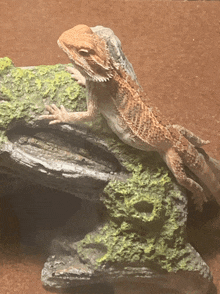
{"type": "Point", "coordinates": [117, 95]}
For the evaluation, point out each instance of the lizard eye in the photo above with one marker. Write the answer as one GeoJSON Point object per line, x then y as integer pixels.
{"type": "Point", "coordinates": [83, 52]}
{"type": "Point", "coordinates": [86, 52]}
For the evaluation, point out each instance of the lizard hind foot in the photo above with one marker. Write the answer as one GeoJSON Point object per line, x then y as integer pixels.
{"type": "Point", "coordinates": [175, 164]}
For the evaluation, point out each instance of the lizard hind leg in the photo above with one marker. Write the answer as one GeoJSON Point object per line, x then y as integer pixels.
{"type": "Point", "coordinates": [175, 164]}
{"type": "Point", "coordinates": [206, 169]}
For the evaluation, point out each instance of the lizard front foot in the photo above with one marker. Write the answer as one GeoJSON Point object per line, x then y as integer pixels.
{"type": "Point", "coordinates": [57, 115]}
{"type": "Point", "coordinates": [76, 75]}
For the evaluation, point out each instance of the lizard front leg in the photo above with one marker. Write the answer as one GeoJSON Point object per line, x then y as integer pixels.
{"type": "Point", "coordinates": [76, 75]}
{"type": "Point", "coordinates": [63, 116]}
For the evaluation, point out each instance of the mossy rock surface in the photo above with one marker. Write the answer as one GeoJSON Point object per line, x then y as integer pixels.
{"type": "Point", "coordinates": [24, 92]}
{"type": "Point", "coordinates": [146, 227]}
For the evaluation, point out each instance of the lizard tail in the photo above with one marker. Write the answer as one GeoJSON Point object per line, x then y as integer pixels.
{"type": "Point", "coordinates": [214, 166]}
{"type": "Point", "coordinates": [212, 163]}
{"type": "Point", "coordinates": [190, 136]}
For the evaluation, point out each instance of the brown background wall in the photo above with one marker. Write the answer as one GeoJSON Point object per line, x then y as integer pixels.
{"type": "Point", "coordinates": [173, 46]}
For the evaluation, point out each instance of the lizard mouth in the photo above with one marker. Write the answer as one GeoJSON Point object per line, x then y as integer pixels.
{"type": "Point", "coordinates": [98, 74]}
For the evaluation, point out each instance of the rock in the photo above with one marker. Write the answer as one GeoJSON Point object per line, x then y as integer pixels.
{"type": "Point", "coordinates": [137, 236]}
{"type": "Point", "coordinates": [142, 243]}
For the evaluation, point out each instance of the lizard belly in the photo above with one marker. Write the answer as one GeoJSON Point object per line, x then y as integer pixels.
{"type": "Point", "coordinates": [120, 128]}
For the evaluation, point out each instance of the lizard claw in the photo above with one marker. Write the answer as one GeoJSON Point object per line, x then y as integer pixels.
{"type": "Point", "coordinates": [57, 115]}
{"type": "Point", "coordinates": [76, 75]}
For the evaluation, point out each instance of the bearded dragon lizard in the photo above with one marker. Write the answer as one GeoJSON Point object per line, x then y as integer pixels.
{"type": "Point", "coordinates": [113, 89]}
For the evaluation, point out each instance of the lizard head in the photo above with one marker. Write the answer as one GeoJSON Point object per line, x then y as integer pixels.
{"type": "Point", "coordinates": [88, 53]}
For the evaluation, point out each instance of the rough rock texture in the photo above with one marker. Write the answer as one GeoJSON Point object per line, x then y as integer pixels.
{"type": "Point", "coordinates": [143, 240]}
{"type": "Point", "coordinates": [141, 235]}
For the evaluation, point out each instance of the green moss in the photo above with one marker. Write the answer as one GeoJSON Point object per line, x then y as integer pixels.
{"type": "Point", "coordinates": [144, 223]}
{"type": "Point", "coordinates": [25, 92]}
{"type": "Point", "coordinates": [5, 65]}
